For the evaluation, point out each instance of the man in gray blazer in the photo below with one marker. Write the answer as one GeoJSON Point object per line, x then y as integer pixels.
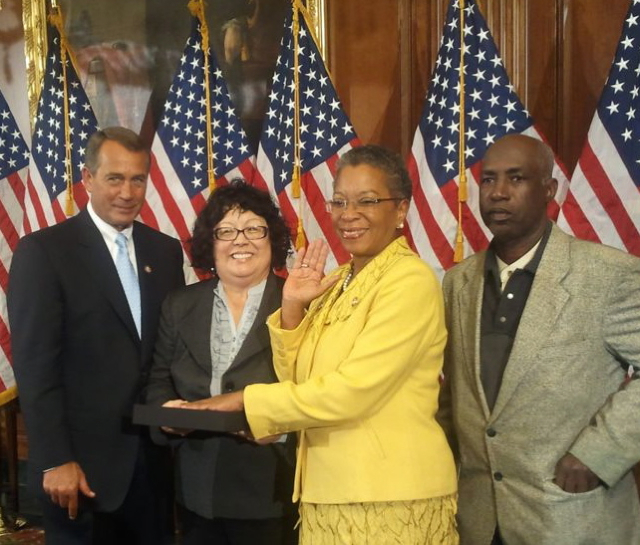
{"type": "Point", "coordinates": [541, 397]}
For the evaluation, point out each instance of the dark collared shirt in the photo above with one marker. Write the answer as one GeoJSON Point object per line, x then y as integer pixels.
{"type": "Point", "coordinates": [501, 313]}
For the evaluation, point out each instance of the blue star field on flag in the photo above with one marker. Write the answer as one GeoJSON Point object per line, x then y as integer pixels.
{"type": "Point", "coordinates": [182, 129]}
{"type": "Point", "coordinates": [14, 154]}
{"type": "Point", "coordinates": [324, 126]}
{"type": "Point", "coordinates": [492, 107]}
{"type": "Point", "coordinates": [619, 106]}
{"type": "Point", "coordinates": [48, 146]}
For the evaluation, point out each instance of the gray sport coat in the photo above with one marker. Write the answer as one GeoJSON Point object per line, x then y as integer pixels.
{"type": "Point", "coordinates": [562, 391]}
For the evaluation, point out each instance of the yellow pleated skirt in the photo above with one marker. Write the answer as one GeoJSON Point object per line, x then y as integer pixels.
{"type": "Point", "coordinates": [418, 522]}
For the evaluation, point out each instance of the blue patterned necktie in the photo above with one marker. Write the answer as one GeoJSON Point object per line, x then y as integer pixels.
{"type": "Point", "coordinates": [128, 278]}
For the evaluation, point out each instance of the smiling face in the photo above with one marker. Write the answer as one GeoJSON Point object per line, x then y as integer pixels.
{"type": "Point", "coordinates": [515, 189]}
{"type": "Point", "coordinates": [366, 231]}
{"type": "Point", "coordinates": [242, 263]}
{"type": "Point", "coordinates": [118, 185]}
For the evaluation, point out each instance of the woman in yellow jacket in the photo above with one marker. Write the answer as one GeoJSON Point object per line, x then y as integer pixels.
{"type": "Point", "coordinates": [358, 354]}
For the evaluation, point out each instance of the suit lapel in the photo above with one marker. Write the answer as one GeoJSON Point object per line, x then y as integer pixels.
{"type": "Point", "coordinates": [100, 265]}
{"type": "Point", "coordinates": [469, 301]}
{"type": "Point", "coordinates": [148, 267]}
{"type": "Point", "coordinates": [544, 305]}
{"type": "Point", "coordinates": [258, 337]}
{"type": "Point", "coordinates": [195, 328]}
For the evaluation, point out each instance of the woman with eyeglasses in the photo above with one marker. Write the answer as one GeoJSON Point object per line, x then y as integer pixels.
{"type": "Point", "coordinates": [359, 354]}
{"type": "Point", "coordinates": [213, 339]}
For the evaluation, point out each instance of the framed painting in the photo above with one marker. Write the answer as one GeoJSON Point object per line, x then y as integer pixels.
{"type": "Point", "coordinates": [127, 52]}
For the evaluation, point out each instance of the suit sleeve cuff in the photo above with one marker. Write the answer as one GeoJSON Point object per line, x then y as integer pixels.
{"type": "Point", "coordinates": [599, 456]}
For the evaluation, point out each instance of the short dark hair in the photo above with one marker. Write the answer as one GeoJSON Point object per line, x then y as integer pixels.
{"type": "Point", "coordinates": [383, 159]}
{"type": "Point", "coordinates": [238, 195]}
{"type": "Point", "coordinates": [125, 137]}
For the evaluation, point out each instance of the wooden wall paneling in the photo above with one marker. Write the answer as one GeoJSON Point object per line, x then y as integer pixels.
{"type": "Point", "coordinates": [406, 76]}
{"type": "Point", "coordinates": [541, 93]}
{"type": "Point", "coordinates": [589, 35]}
{"type": "Point", "coordinates": [364, 60]}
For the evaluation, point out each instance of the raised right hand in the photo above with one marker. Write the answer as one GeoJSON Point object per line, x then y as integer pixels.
{"type": "Point", "coordinates": [305, 282]}
{"type": "Point", "coordinates": [63, 483]}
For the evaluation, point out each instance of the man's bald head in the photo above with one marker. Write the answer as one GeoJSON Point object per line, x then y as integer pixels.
{"type": "Point", "coordinates": [539, 152]}
{"type": "Point", "coordinates": [516, 187]}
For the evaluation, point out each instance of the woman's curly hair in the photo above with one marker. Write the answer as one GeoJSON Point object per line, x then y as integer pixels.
{"type": "Point", "coordinates": [238, 195]}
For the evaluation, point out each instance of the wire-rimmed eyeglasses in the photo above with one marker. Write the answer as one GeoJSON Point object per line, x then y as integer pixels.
{"type": "Point", "coordinates": [339, 205]}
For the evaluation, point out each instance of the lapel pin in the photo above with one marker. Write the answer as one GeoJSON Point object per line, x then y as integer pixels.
{"type": "Point", "coordinates": [147, 269]}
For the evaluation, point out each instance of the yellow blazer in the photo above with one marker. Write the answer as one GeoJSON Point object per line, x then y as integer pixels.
{"type": "Point", "coordinates": [359, 378]}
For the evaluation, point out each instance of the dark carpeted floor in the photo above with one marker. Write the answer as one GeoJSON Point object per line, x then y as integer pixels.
{"type": "Point", "coordinates": [27, 536]}
{"type": "Point", "coordinates": [28, 531]}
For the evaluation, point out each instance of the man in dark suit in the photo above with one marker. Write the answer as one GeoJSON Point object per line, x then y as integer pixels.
{"type": "Point", "coordinates": [83, 304]}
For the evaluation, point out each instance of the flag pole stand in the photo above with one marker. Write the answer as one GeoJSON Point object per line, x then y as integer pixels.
{"type": "Point", "coordinates": [10, 519]}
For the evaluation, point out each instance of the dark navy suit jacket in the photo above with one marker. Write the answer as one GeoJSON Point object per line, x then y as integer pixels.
{"type": "Point", "coordinates": [79, 362]}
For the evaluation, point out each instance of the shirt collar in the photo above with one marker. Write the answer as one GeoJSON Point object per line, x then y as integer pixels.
{"type": "Point", "coordinates": [519, 263]}
{"type": "Point", "coordinates": [252, 293]}
{"type": "Point", "coordinates": [109, 232]}
{"type": "Point", "coordinates": [529, 262]}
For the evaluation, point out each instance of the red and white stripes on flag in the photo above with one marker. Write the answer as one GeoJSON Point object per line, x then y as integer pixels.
{"type": "Point", "coordinates": [492, 109]}
{"type": "Point", "coordinates": [603, 203]}
{"type": "Point", "coordinates": [179, 183]}
{"type": "Point", "coordinates": [302, 90]}
{"type": "Point", "coordinates": [14, 158]}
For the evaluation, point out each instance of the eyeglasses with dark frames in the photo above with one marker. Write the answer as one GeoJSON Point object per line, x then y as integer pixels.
{"type": "Point", "coordinates": [339, 205]}
{"type": "Point", "coordinates": [253, 232]}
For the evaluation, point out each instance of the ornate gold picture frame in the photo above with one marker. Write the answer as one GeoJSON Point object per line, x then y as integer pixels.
{"type": "Point", "coordinates": [126, 62]}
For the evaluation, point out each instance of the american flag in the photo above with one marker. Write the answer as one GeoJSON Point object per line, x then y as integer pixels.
{"type": "Point", "coordinates": [325, 133]}
{"type": "Point", "coordinates": [492, 109]}
{"type": "Point", "coordinates": [14, 159]}
{"type": "Point", "coordinates": [179, 184]}
{"type": "Point", "coordinates": [603, 203]}
{"type": "Point", "coordinates": [45, 200]}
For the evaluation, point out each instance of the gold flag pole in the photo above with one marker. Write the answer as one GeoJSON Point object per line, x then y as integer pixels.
{"type": "Point", "coordinates": [56, 20]}
{"type": "Point", "coordinates": [196, 7]}
{"type": "Point", "coordinates": [295, 180]}
{"type": "Point", "coordinates": [458, 254]}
